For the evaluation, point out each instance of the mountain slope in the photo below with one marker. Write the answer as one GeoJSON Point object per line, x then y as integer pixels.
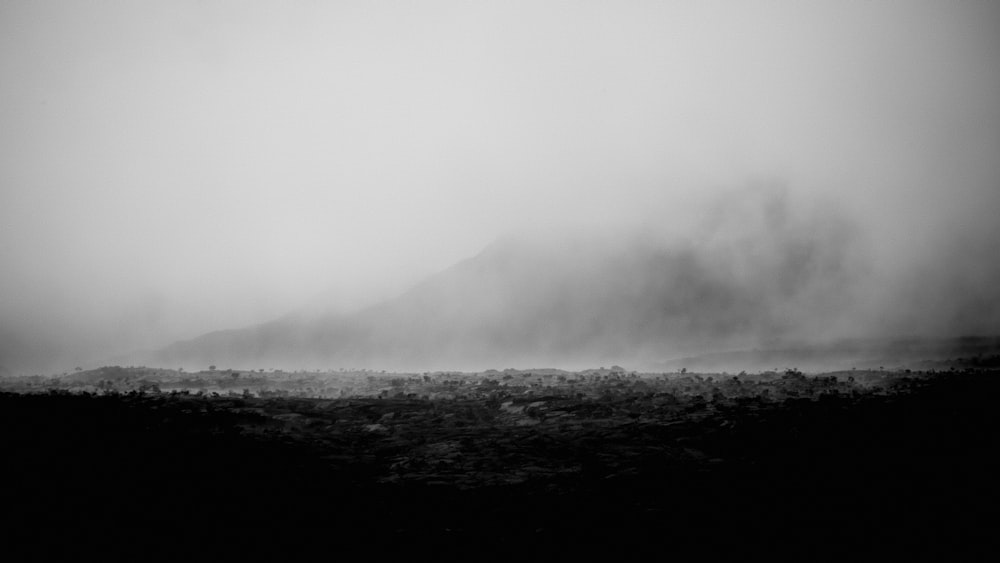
{"type": "Point", "coordinates": [575, 301]}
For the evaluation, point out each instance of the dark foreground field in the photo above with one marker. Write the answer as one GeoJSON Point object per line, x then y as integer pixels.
{"type": "Point", "coordinates": [904, 463]}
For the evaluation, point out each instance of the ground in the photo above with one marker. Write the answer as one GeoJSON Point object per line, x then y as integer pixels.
{"type": "Point", "coordinates": [749, 461]}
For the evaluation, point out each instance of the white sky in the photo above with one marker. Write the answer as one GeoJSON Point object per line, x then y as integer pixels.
{"type": "Point", "coordinates": [176, 167]}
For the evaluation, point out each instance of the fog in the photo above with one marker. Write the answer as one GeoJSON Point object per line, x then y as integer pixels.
{"type": "Point", "coordinates": [175, 169]}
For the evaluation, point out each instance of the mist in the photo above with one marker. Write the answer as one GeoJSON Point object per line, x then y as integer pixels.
{"type": "Point", "coordinates": [817, 170]}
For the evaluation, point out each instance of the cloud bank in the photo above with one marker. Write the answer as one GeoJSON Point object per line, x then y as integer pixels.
{"type": "Point", "coordinates": [171, 170]}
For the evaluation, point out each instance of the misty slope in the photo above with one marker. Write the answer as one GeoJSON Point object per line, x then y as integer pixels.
{"type": "Point", "coordinates": [753, 275]}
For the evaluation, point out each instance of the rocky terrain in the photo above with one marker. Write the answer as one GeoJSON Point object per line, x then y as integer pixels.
{"type": "Point", "coordinates": [780, 459]}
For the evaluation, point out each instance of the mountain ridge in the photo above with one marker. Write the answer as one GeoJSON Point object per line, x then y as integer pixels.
{"type": "Point", "coordinates": [597, 298]}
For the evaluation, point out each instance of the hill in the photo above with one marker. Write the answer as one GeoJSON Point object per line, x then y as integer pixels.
{"type": "Point", "coordinates": [752, 275]}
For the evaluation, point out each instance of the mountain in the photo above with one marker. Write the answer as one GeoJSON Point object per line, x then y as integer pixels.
{"type": "Point", "coordinates": [574, 301]}
{"type": "Point", "coordinates": [841, 354]}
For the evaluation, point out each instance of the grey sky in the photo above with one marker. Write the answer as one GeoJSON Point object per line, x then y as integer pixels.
{"type": "Point", "coordinates": [176, 167]}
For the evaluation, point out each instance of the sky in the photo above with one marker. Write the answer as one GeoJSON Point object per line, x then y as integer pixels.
{"type": "Point", "coordinates": [172, 168]}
